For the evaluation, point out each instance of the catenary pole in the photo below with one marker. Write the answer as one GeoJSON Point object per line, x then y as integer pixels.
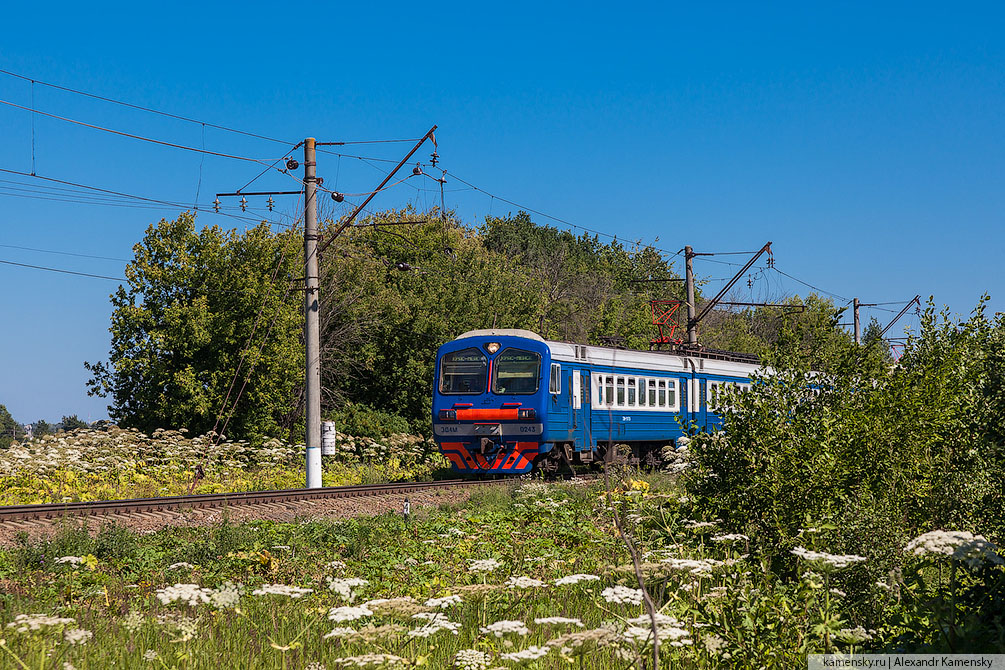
{"type": "Point", "coordinates": [858, 331]}
{"type": "Point", "coordinates": [692, 324]}
{"type": "Point", "coordinates": [312, 335]}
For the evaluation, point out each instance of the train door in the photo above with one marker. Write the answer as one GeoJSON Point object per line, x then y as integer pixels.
{"type": "Point", "coordinates": [580, 408]}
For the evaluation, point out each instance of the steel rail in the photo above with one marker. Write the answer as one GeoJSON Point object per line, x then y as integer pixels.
{"type": "Point", "coordinates": [208, 500]}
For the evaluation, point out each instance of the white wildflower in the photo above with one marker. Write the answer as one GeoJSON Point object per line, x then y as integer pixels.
{"type": "Point", "coordinates": [623, 595]}
{"type": "Point", "coordinates": [370, 661]}
{"type": "Point", "coordinates": [23, 623]}
{"type": "Point", "coordinates": [345, 587]}
{"type": "Point", "coordinates": [77, 635]}
{"type": "Point", "coordinates": [575, 579]}
{"type": "Point", "coordinates": [315, 666]}
{"type": "Point", "coordinates": [974, 550]}
{"type": "Point", "coordinates": [854, 635]}
{"type": "Point", "coordinates": [340, 631]}
{"type": "Point", "coordinates": [825, 560]}
{"type": "Point", "coordinates": [72, 560]}
{"type": "Point", "coordinates": [150, 655]}
{"type": "Point", "coordinates": [348, 613]}
{"type": "Point", "coordinates": [729, 537]}
{"type": "Point", "coordinates": [132, 621]}
{"type": "Point", "coordinates": [523, 583]}
{"type": "Point", "coordinates": [443, 602]}
{"type": "Point", "coordinates": [557, 621]}
{"type": "Point", "coordinates": [697, 525]}
{"type": "Point", "coordinates": [714, 644]}
{"type": "Point", "coordinates": [281, 590]}
{"type": "Point", "coordinates": [471, 659]}
{"type": "Point", "coordinates": [484, 565]}
{"type": "Point", "coordinates": [181, 566]}
{"type": "Point", "coordinates": [695, 566]}
{"type": "Point", "coordinates": [676, 637]}
{"type": "Point", "coordinates": [838, 592]}
{"type": "Point", "coordinates": [192, 594]}
{"type": "Point", "coordinates": [529, 654]}
{"type": "Point", "coordinates": [226, 596]}
{"type": "Point", "coordinates": [500, 628]}
{"type": "Point", "coordinates": [434, 625]}
{"type": "Point", "coordinates": [336, 565]}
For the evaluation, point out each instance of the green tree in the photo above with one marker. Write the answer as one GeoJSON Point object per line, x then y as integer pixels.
{"type": "Point", "coordinates": [181, 329]}
{"type": "Point", "coordinates": [42, 427]}
{"type": "Point", "coordinates": [7, 427]}
{"type": "Point", "coordinates": [72, 422]}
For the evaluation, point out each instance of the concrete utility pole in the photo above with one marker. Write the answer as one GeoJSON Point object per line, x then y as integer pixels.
{"type": "Point", "coordinates": [858, 331]}
{"type": "Point", "coordinates": [312, 333]}
{"type": "Point", "coordinates": [692, 325]}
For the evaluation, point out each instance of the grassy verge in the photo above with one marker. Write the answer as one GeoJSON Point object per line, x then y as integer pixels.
{"type": "Point", "coordinates": [525, 575]}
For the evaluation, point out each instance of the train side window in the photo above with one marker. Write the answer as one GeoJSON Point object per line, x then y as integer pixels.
{"type": "Point", "coordinates": [555, 383]}
{"type": "Point", "coordinates": [610, 391]}
{"type": "Point", "coordinates": [672, 395]}
{"type": "Point", "coordinates": [652, 393]}
{"type": "Point", "coordinates": [621, 392]}
{"type": "Point", "coordinates": [642, 392]}
{"type": "Point", "coordinates": [712, 394]}
{"type": "Point", "coordinates": [631, 392]}
{"type": "Point", "coordinates": [662, 393]}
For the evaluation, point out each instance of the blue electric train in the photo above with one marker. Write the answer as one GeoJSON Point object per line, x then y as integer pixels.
{"type": "Point", "coordinates": [507, 401]}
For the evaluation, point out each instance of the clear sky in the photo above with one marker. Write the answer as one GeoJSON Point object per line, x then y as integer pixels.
{"type": "Point", "coordinates": [865, 141]}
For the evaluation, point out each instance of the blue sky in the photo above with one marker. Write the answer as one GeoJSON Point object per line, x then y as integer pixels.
{"type": "Point", "coordinates": [865, 142]}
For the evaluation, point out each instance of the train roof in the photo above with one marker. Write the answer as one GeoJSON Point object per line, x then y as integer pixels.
{"type": "Point", "coordinates": [501, 332]}
{"type": "Point", "coordinates": [714, 361]}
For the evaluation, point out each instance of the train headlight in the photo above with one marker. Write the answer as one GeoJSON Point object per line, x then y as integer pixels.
{"type": "Point", "coordinates": [492, 347]}
{"type": "Point", "coordinates": [528, 413]}
{"type": "Point", "coordinates": [448, 415]}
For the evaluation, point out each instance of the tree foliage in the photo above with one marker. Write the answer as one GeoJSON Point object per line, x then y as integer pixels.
{"type": "Point", "coordinates": [194, 300]}
{"type": "Point", "coordinates": [72, 422]}
{"type": "Point", "coordinates": [391, 293]}
{"type": "Point", "coordinates": [7, 427]}
{"type": "Point", "coordinates": [875, 455]}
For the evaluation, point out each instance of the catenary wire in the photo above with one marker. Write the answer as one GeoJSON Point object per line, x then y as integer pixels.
{"type": "Point", "coordinates": [260, 161]}
{"type": "Point", "coordinates": [178, 116]}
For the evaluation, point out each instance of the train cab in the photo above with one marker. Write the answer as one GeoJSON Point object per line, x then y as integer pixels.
{"type": "Point", "coordinates": [489, 400]}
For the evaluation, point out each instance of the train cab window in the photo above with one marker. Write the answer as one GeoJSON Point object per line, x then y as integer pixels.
{"type": "Point", "coordinates": [463, 371]}
{"type": "Point", "coordinates": [610, 391]}
{"type": "Point", "coordinates": [621, 392]}
{"type": "Point", "coordinates": [516, 372]}
{"type": "Point", "coordinates": [631, 392]}
{"type": "Point", "coordinates": [555, 382]}
{"type": "Point", "coordinates": [652, 393]}
{"type": "Point", "coordinates": [662, 395]}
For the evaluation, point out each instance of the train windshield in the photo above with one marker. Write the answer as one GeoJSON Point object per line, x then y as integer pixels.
{"type": "Point", "coordinates": [516, 371]}
{"type": "Point", "coordinates": [463, 371]}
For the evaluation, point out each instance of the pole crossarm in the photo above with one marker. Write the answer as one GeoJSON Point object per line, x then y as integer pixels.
{"type": "Point", "coordinates": [370, 197]}
{"type": "Point", "coordinates": [725, 289]}
{"type": "Point", "coordinates": [915, 299]}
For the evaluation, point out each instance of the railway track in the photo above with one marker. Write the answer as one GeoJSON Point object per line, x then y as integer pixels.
{"type": "Point", "coordinates": [173, 504]}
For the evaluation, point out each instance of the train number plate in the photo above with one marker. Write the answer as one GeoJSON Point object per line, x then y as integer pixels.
{"type": "Point", "coordinates": [488, 429]}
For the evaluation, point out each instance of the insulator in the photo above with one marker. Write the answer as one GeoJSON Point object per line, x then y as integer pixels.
{"type": "Point", "coordinates": [216, 205]}
{"type": "Point", "coordinates": [433, 158]}
{"type": "Point", "coordinates": [292, 164]}
{"type": "Point", "coordinates": [417, 170]}
{"type": "Point", "coordinates": [271, 203]}
{"type": "Point", "coordinates": [337, 197]}
{"type": "Point", "coordinates": [244, 204]}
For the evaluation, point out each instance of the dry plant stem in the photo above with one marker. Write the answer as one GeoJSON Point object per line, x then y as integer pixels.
{"type": "Point", "coordinates": [647, 599]}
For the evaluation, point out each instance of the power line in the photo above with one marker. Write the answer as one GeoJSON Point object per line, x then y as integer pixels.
{"type": "Point", "coordinates": [178, 116]}
{"type": "Point", "coordinates": [134, 136]}
{"type": "Point", "coordinates": [815, 288]}
{"type": "Point", "coordinates": [60, 270]}
{"type": "Point", "coordinates": [65, 253]}
{"type": "Point", "coordinates": [132, 196]}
